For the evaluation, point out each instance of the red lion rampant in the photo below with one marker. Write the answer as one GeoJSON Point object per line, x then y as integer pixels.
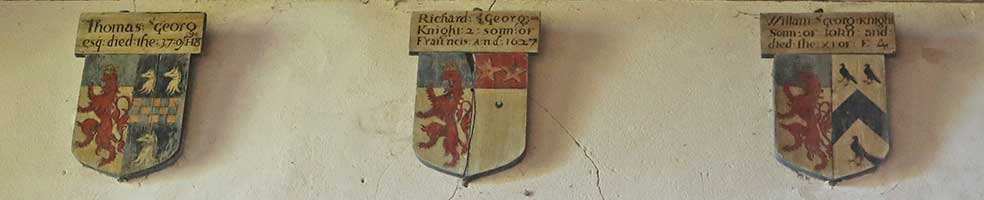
{"type": "Point", "coordinates": [453, 111]}
{"type": "Point", "coordinates": [816, 114]}
{"type": "Point", "coordinates": [108, 113]}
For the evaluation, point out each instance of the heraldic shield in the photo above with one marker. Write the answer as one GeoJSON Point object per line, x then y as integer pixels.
{"type": "Point", "coordinates": [470, 117]}
{"type": "Point", "coordinates": [831, 119]}
{"type": "Point", "coordinates": [130, 112]}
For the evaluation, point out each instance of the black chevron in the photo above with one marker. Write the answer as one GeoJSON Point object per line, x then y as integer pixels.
{"type": "Point", "coordinates": [857, 107]}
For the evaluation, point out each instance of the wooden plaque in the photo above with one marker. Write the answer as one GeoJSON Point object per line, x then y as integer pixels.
{"type": "Point", "coordinates": [827, 33]}
{"type": "Point", "coordinates": [130, 112]}
{"type": "Point", "coordinates": [470, 115]}
{"type": "Point", "coordinates": [831, 114]}
{"type": "Point", "coordinates": [475, 31]}
{"type": "Point", "coordinates": [140, 33]}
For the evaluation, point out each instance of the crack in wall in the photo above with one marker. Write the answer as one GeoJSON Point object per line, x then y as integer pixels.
{"type": "Point", "coordinates": [584, 150]}
{"type": "Point", "coordinates": [740, 13]}
{"type": "Point", "coordinates": [453, 193]}
{"type": "Point", "coordinates": [889, 190]}
{"type": "Point", "coordinates": [375, 192]}
{"type": "Point", "coordinates": [493, 4]}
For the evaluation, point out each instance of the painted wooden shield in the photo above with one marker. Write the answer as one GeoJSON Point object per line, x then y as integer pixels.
{"type": "Point", "coordinates": [470, 117]}
{"type": "Point", "coordinates": [831, 120]}
{"type": "Point", "coordinates": [130, 112]}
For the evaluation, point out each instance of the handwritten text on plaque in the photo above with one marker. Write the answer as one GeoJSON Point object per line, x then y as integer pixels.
{"type": "Point", "coordinates": [140, 33]}
{"type": "Point", "coordinates": [475, 31]}
{"type": "Point", "coordinates": [859, 33]}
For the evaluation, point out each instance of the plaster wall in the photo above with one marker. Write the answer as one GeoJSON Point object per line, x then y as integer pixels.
{"type": "Point", "coordinates": [668, 100]}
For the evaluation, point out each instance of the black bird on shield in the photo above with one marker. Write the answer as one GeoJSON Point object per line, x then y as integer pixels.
{"type": "Point", "coordinates": [870, 74]}
{"type": "Point", "coordinates": [860, 153]}
{"type": "Point", "coordinates": [846, 74]}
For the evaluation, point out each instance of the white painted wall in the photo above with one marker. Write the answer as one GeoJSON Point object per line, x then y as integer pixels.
{"type": "Point", "coordinates": [313, 100]}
